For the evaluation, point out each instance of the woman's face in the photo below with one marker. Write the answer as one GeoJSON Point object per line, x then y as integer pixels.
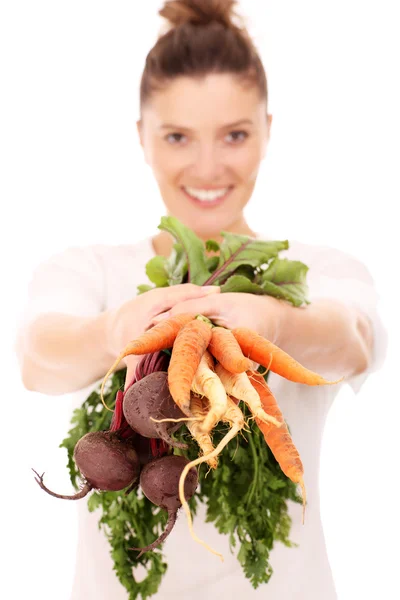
{"type": "Point", "coordinates": [204, 140]}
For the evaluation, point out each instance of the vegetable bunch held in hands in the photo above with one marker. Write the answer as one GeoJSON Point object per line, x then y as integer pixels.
{"type": "Point", "coordinates": [210, 371]}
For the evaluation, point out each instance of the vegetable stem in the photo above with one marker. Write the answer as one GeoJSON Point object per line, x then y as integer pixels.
{"type": "Point", "coordinates": [255, 476]}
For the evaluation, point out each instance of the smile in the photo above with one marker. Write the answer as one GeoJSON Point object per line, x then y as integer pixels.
{"type": "Point", "coordinates": [203, 196]}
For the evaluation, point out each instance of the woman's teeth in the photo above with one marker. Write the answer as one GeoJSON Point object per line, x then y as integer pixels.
{"type": "Point", "coordinates": [206, 195]}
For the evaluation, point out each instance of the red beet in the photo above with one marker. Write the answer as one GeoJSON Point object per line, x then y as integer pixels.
{"type": "Point", "coordinates": [159, 481]}
{"type": "Point", "coordinates": [150, 397]}
{"type": "Point", "coordinates": [106, 463]}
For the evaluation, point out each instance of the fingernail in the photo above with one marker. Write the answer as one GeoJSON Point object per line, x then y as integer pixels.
{"type": "Point", "coordinates": [211, 289]}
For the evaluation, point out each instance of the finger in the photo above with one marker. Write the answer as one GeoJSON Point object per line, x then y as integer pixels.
{"type": "Point", "coordinates": [180, 293]}
{"type": "Point", "coordinates": [131, 362]}
{"type": "Point", "coordinates": [209, 306]}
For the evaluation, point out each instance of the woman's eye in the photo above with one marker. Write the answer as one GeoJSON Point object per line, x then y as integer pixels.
{"type": "Point", "coordinates": [236, 136]}
{"type": "Point", "coordinates": [174, 138]}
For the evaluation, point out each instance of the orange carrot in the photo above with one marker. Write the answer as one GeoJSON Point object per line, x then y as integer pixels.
{"type": "Point", "coordinates": [225, 348]}
{"type": "Point", "coordinates": [278, 439]}
{"type": "Point", "coordinates": [265, 353]}
{"type": "Point", "coordinates": [189, 346]}
{"type": "Point", "coordinates": [159, 337]}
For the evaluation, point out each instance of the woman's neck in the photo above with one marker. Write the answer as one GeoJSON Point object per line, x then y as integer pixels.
{"type": "Point", "coordinates": [163, 241]}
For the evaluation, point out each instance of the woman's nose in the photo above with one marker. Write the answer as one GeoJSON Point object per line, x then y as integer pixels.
{"type": "Point", "coordinates": [207, 166]}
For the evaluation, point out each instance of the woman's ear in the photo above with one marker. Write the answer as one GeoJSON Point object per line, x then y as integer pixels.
{"type": "Point", "coordinates": [139, 130]}
{"type": "Point", "coordinates": [267, 136]}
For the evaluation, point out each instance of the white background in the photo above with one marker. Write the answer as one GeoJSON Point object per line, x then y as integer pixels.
{"type": "Point", "coordinates": [72, 173]}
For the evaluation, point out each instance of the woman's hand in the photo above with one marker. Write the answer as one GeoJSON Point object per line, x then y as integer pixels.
{"type": "Point", "coordinates": [132, 318]}
{"type": "Point", "coordinates": [263, 314]}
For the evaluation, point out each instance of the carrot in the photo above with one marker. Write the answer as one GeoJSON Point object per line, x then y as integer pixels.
{"type": "Point", "coordinates": [237, 421]}
{"type": "Point", "coordinates": [159, 337]}
{"type": "Point", "coordinates": [207, 383]}
{"type": "Point", "coordinates": [233, 415]}
{"type": "Point", "coordinates": [189, 346]}
{"type": "Point", "coordinates": [265, 353]}
{"type": "Point", "coordinates": [198, 409]}
{"type": "Point", "coordinates": [227, 351]}
{"type": "Point", "coordinates": [278, 439]}
{"type": "Point", "coordinates": [238, 385]}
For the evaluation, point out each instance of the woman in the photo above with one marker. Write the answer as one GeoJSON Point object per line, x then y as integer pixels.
{"type": "Point", "coordinates": [204, 128]}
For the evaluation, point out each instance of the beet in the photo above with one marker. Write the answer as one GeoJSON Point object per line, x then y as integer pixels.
{"type": "Point", "coordinates": [106, 463]}
{"type": "Point", "coordinates": [150, 397]}
{"type": "Point", "coordinates": [159, 481]}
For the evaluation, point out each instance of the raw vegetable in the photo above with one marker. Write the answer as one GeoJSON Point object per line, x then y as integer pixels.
{"type": "Point", "coordinates": [278, 439]}
{"type": "Point", "coordinates": [247, 493]}
{"type": "Point", "coordinates": [189, 346]}
{"type": "Point", "coordinates": [265, 353]}
{"type": "Point", "coordinates": [238, 385]}
{"type": "Point", "coordinates": [148, 400]}
{"type": "Point", "coordinates": [159, 482]}
{"type": "Point", "coordinates": [158, 337]}
{"type": "Point", "coordinates": [207, 383]}
{"type": "Point", "coordinates": [106, 463]}
{"type": "Point", "coordinates": [200, 411]}
{"type": "Point", "coordinates": [225, 348]}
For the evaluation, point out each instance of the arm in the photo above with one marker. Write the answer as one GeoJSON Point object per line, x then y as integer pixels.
{"type": "Point", "coordinates": [60, 353]}
{"type": "Point", "coordinates": [328, 337]}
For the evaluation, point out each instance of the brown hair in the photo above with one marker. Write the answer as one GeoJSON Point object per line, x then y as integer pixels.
{"type": "Point", "coordinates": [202, 39]}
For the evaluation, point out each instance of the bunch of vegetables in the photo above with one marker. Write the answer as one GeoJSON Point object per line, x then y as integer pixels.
{"type": "Point", "coordinates": [195, 389]}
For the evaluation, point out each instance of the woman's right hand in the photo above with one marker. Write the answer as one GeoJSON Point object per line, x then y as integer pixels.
{"type": "Point", "coordinates": [132, 318]}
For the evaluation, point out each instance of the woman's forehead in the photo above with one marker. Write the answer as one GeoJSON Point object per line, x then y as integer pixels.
{"type": "Point", "coordinates": [216, 100]}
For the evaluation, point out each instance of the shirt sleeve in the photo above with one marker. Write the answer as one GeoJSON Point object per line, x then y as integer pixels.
{"type": "Point", "coordinates": [70, 282]}
{"type": "Point", "coordinates": [340, 276]}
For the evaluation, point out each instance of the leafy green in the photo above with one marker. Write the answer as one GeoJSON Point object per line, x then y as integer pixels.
{"type": "Point", "coordinates": [243, 264]}
{"type": "Point", "coordinates": [156, 271]}
{"type": "Point", "coordinates": [237, 250]}
{"type": "Point", "coordinates": [246, 498]}
{"type": "Point", "coordinates": [212, 246]}
{"type": "Point", "coordinates": [193, 248]}
{"type": "Point", "coordinates": [286, 279]}
{"type": "Point", "coordinates": [127, 520]}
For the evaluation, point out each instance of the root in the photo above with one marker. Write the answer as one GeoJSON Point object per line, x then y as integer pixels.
{"type": "Point", "coordinates": [303, 496]}
{"type": "Point", "coordinates": [229, 436]}
{"type": "Point", "coordinates": [168, 439]}
{"type": "Point", "coordinates": [170, 524]}
{"type": "Point", "coordinates": [175, 420]}
{"type": "Point", "coordinates": [120, 357]}
{"type": "Point", "coordinates": [81, 494]}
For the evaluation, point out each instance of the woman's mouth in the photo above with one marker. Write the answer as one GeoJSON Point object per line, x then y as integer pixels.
{"type": "Point", "coordinates": [207, 197]}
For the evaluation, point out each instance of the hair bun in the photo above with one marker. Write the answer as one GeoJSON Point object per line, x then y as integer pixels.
{"type": "Point", "coordinates": [199, 12]}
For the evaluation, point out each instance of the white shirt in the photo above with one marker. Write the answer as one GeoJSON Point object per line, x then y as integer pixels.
{"type": "Point", "coordinates": [85, 281]}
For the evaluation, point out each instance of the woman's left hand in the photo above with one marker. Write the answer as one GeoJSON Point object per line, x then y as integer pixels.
{"type": "Point", "coordinates": [263, 314]}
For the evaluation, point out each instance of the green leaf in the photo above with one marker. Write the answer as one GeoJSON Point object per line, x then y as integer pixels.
{"type": "Point", "coordinates": [286, 279]}
{"type": "Point", "coordinates": [142, 289]}
{"type": "Point", "coordinates": [212, 246]}
{"type": "Point", "coordinates": [176, 265]}
{"type": "Point", "coordinates": [239, 283]}
{"type": "Point", "coordinates": [156, 271]}
{"type": "Point", "coordinates": [238, 250]}
{"type": "Point", "coordinates": [193, 248]}
{"type": "Point", "coordinates": [212, 263]}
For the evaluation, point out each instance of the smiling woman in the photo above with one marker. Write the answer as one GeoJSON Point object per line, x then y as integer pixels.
{"type": "Point", "coordinates": [204, 128]}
